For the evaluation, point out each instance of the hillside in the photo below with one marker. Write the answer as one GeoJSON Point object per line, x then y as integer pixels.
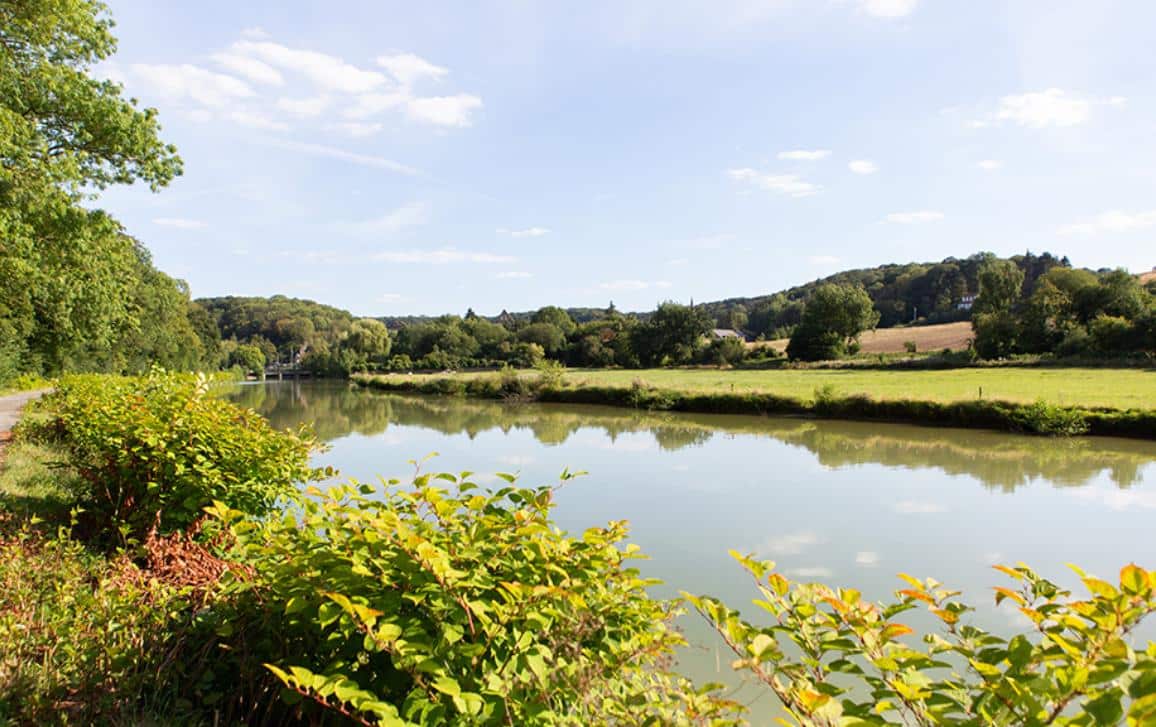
{"type": "Point", "coordinates": [952, 336]}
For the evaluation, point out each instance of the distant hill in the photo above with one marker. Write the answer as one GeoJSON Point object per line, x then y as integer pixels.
{"type": "Point", "coordinates": [1148, 277]}
{"type": "Point", "coordinates": [927, 293]}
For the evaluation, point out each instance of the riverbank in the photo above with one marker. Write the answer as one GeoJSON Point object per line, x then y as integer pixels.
{"type": "Point", "coordinates": [1062, 402]}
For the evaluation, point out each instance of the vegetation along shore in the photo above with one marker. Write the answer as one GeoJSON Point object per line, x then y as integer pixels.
{"type": "Point", "coordinates": [1106, 402]}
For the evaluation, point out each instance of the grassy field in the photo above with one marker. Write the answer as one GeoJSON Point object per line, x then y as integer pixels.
{"type": "Point", "coordinates": [1120, 388]}
{"type": "Point", "coordinates": [893, 340]}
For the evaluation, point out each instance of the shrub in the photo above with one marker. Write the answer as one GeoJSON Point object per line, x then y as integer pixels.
{"type": "Point", "coordinates": [550, 375]}
{"type": "Point", "coordinates": [834, 659]}
{"type": "Point", "coordinates": [81, 639]}
{"type": "Point", "coordinates": [910, 346]}
{"type": "Point", "coordinates": [153, 451]}
{"type": "Point", "coordinates": [442, 604]}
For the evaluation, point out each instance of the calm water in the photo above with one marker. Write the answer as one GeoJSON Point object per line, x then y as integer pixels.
{"type": "Point", "coordinates": [845, 503]}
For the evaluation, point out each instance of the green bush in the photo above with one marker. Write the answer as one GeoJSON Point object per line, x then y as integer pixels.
{"type": "Point", "coordinates": [81, 640]}
{"type": "Point", "coordinates": [153, 451]}
{"type": "Point", "coordinates": [834, 659]}
{"type": "Point", "coordinates": [442, 604]}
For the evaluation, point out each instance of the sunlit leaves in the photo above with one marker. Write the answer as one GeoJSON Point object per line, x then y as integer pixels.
{"type": "Point", "coordinates": [1075, 669]}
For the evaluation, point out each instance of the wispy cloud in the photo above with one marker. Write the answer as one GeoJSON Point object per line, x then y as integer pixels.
{"type": "Point", "coordinates": [409, 68]}
{"type": "Point", "coordinates": [250, 68]}
{"type": "Point", "coordinates": [527, 232]}
{"type": "Point", "coordinates": [806, 155]}
{"type": "Point", "coordinates": [1114, 221]}
{"type": "Point", "coordinates": [256, 120]}
{"type": "Point", "coordinates": [408, 215]}
{"type": "Point", "coordinates": [1053, 107]}
{"type": "Point", "coordinates": [322, 69]}
{"type": "Point", "coordinates": [990, 165]}
{"type": "Point", "coordinates": [456, 110]}
{"type": "Point", "coordinates": [914, 218]}
{"type": "Point", "coordinates": [310, 106]}
{"type": "Point", "coordinates": [444, 256]}
{"type": "Point", "coordinates": [180, 223]}
{"type": "Point", "coordinates": [888, 8]}
{"type": "Point", "coordinates": [789, 184]}
{"type": "Point", "coordinates": [514, 275]}
{"type": "Point", "coordinates": [367, 160]}
{"type": "Point", "coordinates": [867, 558]}
{"type": "Point", "coordinates": [788, 544]}
{"type": "Point", "coordinates": [863, 166]}
{"type": "Point", "coordinates": [810, 572]}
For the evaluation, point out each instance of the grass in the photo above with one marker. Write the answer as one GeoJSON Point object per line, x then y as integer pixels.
{"type": "Point", "coordinates": [953, 336]}
{"type": "Point", "coordinates": [1110, 402]}
{"type": "Point", "coordinates": [1115, 388]}
{"type": "Point", "coordinates": [1086, 387]}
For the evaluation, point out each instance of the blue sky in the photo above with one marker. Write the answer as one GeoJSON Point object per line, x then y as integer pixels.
{"type": "Point", "coordinates": [400, 157]}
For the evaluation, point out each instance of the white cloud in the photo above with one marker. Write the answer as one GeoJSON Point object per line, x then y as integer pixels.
{"type": "Point", "coordinates": [408, 68]}
{"type": "Point", "coordinates": [180, 223]}
{"type": "Point", "coordinates": [990, 165]}
{"type": "Point", "coordinates": [863, 166]}
{"type": "Point", "coordinates": [186, 81]}
{"type": "Point", "coordinates": [409, 215]}
{"type": "Point", "coordinates": [806, 155]}
{"type": "Point", "coordinates": [633, 284]}
{"type": "Point", "coordinates": [441, 257]}
{"type": "Point", "coordinates": [867, 558]}
{"type": "Point", "coordinates": [366, 160]}
{"type": "Point", "coordinates": [390, 297]}
{"type": "Point", "coordinates": [1112, 221]}
{"type": "Point", "coordinates": [789, 544]}
{"type": "Point", "coordinates": [809, 572]}
{"type": "Point", "coordinates": [311, 106]}
{"type": "Point", "coordinates": [527, 232]}
{"type": "Point", "coordinates": [254, 33]}
{"type": "Point", "coordinates": [356, 129]}
{"type": "Point", "coordinates": [251, 68]}
{"type": "Point", "coordinates": [514, 275]}
{"type": "Point", "coordinates": [914, 507]}
{"type": "Point", "coordinates": [256, 120]}
{"type": "Point", "coordinates": [371, 104]}
{"type": "Point", "coordinates": [888, 8]}
{"type": "Point", "coordinates": [1053, 107]}
{"type": "Point", "coordinates": [444, 110]}
{"type": "Point", "coordinates": [322, 69]}
{"type": "Point", "coordinates": [913, 218]}
{"type": "Point", "coordinates": [788, 184]}
{"type": "Point", "coordinates": [823, 260]}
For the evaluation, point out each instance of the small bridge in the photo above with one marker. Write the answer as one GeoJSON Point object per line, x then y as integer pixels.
{"type": "Point", "coordinates": [280, 373]}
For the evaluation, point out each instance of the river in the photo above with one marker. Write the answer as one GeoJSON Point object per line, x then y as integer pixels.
{"type": "Point", "coordinates": [846, 503]}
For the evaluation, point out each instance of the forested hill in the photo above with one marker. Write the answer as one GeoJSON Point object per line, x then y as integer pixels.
{"type": "Point", "coordinates": [930, 292]}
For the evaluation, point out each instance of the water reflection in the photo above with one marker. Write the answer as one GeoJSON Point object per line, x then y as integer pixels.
{"type": "Point", "coordinates": [999, 461]}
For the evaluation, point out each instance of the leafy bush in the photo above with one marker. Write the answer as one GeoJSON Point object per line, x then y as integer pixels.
{"type": "Point", "coordinates": [80, 638]}
{"type": "Point", "coordinates": [154, 451]}
{"type": "Point", "coordinates": [834, 659]}
{"type": "Point", "coordinates": [447, 605]}
{"type": "Point", "coordinates": [550, 374]}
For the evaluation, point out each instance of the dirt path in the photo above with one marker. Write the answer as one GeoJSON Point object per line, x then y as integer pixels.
{"type": "Point", "coordinates": [10, 408]}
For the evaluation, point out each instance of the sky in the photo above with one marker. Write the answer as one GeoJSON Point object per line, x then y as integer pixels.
{"type": "Point", "coordinates": [397, 158]}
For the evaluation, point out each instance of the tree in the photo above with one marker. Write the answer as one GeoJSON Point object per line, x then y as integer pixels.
{"type": "Point", "coordinates": [64, 134]}
{"type": "Point", "coordinates": [672, 335]}
{"type": "Point", "coordinates": [557, 317]}
{"type": "Point", "coordinates": [834, 317]}
{"type": "Point", "coordinates": [249, 357]}
{"type": "Point", "coordinates": [370, 339]}
{"type": "Point", "coordinates": [1000, 286]}
{"type": "Point", "coordinates": [550, 337]}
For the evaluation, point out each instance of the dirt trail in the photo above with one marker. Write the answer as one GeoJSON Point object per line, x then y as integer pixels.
{"type": "Point", "coordinates": [10, 408]}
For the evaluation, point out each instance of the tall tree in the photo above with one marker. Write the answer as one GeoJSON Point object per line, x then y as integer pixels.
{"type": "Point", "coordinates": [834, 317]}
{"type": "Point", "coordinates": [64, 136]}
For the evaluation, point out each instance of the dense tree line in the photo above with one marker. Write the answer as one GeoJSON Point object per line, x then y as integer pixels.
{"type": "Point", "coordinates": [673, 334]}
{"type": "Point", "coordinates": [1065, 311]}
{"type": "Point", "coordinates": [900, 294]}
{"type": "Point", "coordinates": [256, 332]}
